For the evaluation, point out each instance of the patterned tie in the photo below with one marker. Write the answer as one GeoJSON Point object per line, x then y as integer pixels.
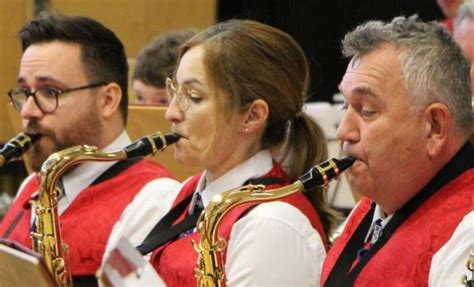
{"type": "Point", "coordinates": [377, 232]}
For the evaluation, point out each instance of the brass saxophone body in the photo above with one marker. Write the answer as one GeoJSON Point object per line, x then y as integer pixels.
{"type": "Point", "coordinates": [46, 239]}
{"type": "Point", "coordinates": [211, 248]}
{"type": "Point", "coordinates": [16, 147]}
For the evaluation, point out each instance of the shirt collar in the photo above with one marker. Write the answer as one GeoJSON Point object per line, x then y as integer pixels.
{"type": "Point", "coordinates": [378, 214]}
{"type": "Point", "coordinates": [85, 174]}
{"type": "Point", "coordinates": [256, 166]}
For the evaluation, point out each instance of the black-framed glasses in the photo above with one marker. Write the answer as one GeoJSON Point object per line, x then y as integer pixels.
{"type": "Point", "coordinates": [45, 98]}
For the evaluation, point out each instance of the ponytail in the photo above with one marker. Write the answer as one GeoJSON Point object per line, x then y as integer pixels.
{"type": "Point", "coordinates": [306, 148]}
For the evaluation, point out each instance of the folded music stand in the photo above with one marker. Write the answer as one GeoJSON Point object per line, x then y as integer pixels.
{"type": "Point", "coordinates": [20, 266]}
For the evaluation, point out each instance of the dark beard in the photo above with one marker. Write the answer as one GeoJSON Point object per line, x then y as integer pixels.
{"type": "Point", "coordinates": [86, 129]}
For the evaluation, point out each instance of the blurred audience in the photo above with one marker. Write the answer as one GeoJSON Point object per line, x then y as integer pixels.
{"type": "Point", "coordinates": [154, 64]}
{"type": "Point", "coordinates": [464, 36]}
{"type": "Point", "coordinates": [450, 10]}
{"type": "Point", "coordinates": [464, 32]}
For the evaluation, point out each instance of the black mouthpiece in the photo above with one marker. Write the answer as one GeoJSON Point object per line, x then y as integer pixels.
{"type": "Point", "coordinates": [324, 172]}
{"type": "Point", "coordinates": [150, 144]}
{"type": "Point", "coordinates": [17, 146]}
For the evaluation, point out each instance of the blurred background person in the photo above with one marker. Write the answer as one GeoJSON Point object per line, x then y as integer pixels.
{"type": "Point", "coordinates": [464, 36]}
{"type": "Point", "coordinates": [154, 64]}
{"type": "Point", "coordinates": [450, 10]}
{"type": "Point", "coordinates": [464, 33]}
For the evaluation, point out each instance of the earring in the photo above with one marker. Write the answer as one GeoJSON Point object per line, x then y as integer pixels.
{"type": "Point", "coordinates": [245, 130]}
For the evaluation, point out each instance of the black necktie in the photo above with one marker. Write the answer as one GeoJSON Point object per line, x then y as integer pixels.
{"type": "Point", "coordinates": [195, 209]}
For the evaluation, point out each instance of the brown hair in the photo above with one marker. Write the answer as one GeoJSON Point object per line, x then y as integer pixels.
{"type": "Point", "coordinates": [102, 53]}
{"type": "Point", "coordinates": [247, 60]}
{"type": "Point", "coordinates": [157, 60]}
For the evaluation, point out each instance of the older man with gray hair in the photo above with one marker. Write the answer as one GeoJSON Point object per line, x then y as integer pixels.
{"type": "Point", "coordinates": [407, 123]}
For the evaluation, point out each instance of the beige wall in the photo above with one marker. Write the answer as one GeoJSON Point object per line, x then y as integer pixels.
{"type": "Point", "coordinates": [135, 22]}
{"type": "Point", "coordinates": [14, 13]}
{"type": "Point", "coordinates": [138, 21]}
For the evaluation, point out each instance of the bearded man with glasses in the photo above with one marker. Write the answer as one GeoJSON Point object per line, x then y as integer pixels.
{"type": "Point", "coordinates": [72, 90]}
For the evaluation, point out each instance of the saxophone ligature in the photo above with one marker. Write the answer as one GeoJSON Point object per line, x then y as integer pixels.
{"type": "Point", "coordinates": [17, 146]}
{"type": "Point", "coordinates": [46, 239]}
{"type": "Point", "coordinates": [210, 266]}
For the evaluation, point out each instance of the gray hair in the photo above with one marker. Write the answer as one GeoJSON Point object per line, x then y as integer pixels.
{"type": "Point", "coordinates": [432, 64]}
{"type": "Point", "coordinates": [465, 11]}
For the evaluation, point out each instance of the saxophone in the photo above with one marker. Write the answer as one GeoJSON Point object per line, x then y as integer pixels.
{"type": "Point", "coordinates": [210, 265]}
{"type": "Point", "coordinates": [16, 147]}
{"type": "Point", "coordinates": [46, 240]}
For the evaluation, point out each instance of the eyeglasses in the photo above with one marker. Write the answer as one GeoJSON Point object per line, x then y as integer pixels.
{"type": "Point", "coordinates": [45, 98]}
{"type": "Point", "coordinates": [182, 93]}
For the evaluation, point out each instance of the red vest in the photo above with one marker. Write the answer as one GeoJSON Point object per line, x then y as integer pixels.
{"type": "Point", "coordinates": [405, 258]}
{"type": "Point", "coordinates": [176, 261]}
{"type": "Point", "coordinates": [88, 221]}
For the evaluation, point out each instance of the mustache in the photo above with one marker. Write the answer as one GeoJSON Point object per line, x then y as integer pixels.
{"type": "Point", "coordinates": [36, 128]}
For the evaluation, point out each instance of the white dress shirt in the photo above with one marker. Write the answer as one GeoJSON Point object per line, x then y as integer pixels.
{"type": "Point", "coordinates": [449, 262]}
{"type": "Point", "coordinates": [147, 208]}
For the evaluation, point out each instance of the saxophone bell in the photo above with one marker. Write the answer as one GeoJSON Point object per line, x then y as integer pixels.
{"type": "Point", "coordinates": [17, 146]}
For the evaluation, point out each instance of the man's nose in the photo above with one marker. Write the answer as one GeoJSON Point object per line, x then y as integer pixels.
{"type": "Point", "coordinates": [30, 109]}
{"type": "Point", "coordinates": [348, 129]}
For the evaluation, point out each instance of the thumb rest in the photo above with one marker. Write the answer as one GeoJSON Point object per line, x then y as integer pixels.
{"type": "Point", "coordinates": [211, 248]}
{"type": "Point", "coordinates": [46, 239]}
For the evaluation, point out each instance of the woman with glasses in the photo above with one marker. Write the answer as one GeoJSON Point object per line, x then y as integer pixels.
{"type": "Point", "coordinates": [236, 101]}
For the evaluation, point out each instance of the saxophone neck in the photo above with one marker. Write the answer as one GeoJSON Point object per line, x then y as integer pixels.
{"type": "Point", "coordinates": [208, 223]}
{"type": "Point", "coordinates": [60, 162]}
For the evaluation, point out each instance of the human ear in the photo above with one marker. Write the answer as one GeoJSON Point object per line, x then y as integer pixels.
{"type": "Point", "coordinates": [438, 121]}
{"type": "Point", "coordinates": [255, 116]}
{"type": "Point", "coordinates": [110, 99]}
